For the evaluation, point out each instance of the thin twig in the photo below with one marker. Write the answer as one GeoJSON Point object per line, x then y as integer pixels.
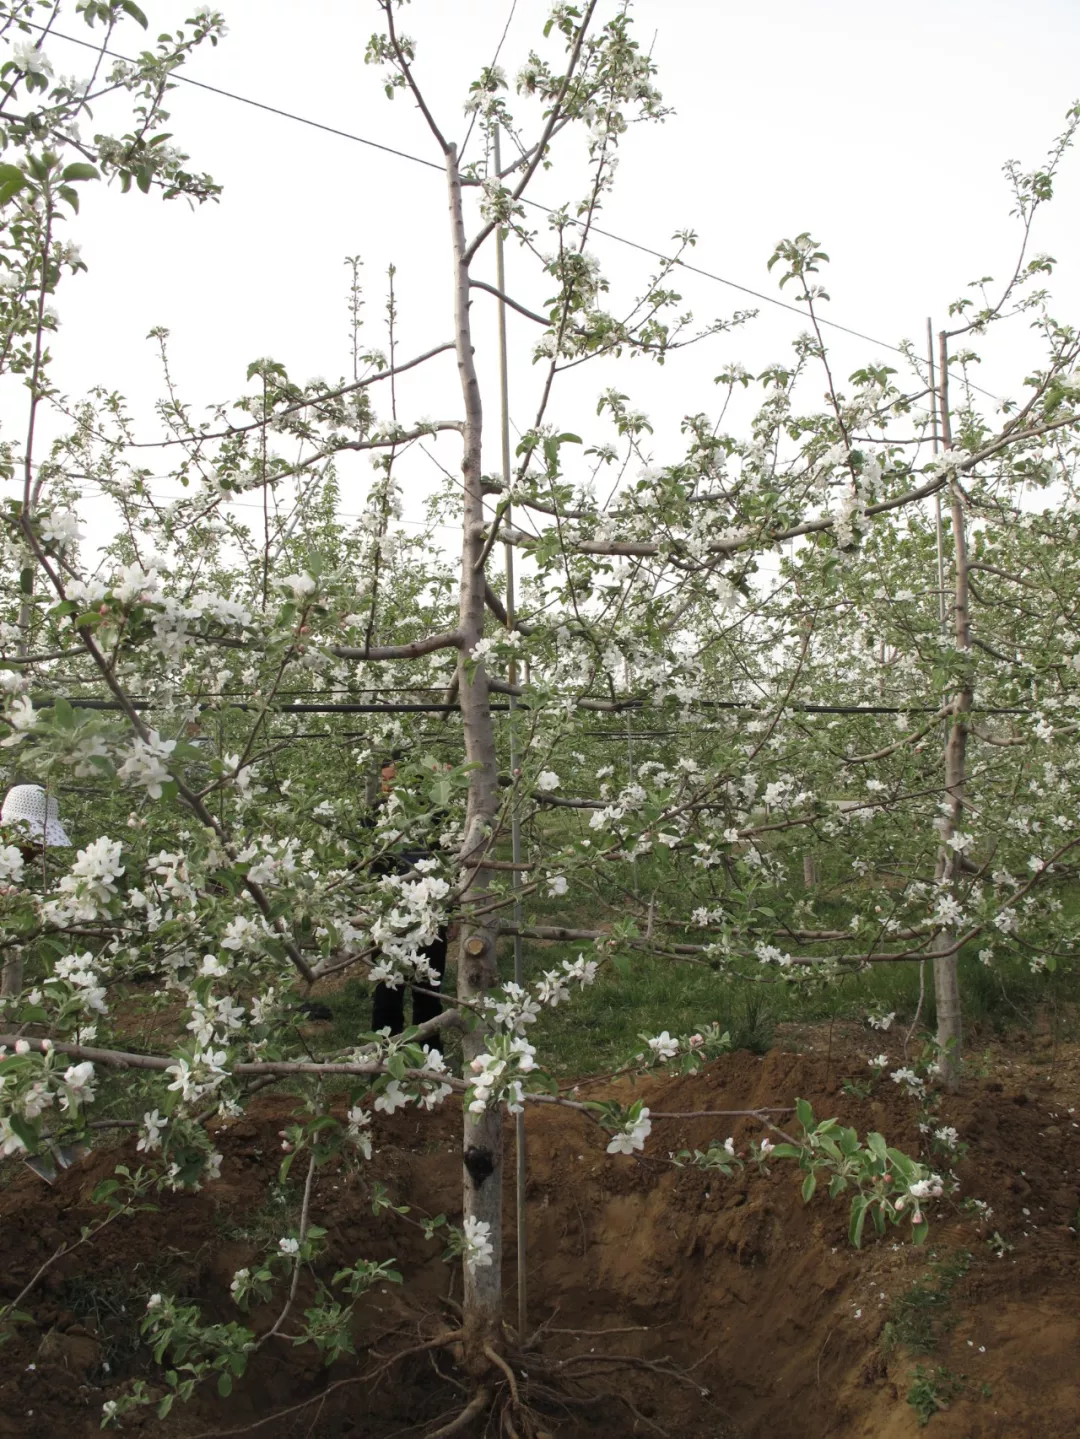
{"type": "Point", "coordinates": [304, 1213]}
{"type": "Point", "coordinates": [918, 1008]}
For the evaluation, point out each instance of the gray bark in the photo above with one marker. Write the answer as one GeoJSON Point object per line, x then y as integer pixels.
{"type": "Point", "coordinates": [946, 967]}
{"type": "Point", "coordinates": [482, 1139]}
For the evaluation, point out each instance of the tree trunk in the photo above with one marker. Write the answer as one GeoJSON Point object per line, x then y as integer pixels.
{"type": "Point", "coordinates": [946, 966]}
{"type": "Point", "coordinates": [11, 980]}
{"type": "Point", "coordinates": [482, 1138]}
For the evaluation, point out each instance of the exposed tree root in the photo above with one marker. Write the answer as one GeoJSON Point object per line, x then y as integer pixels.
{"type": "Point", "coordinates": [369, 1377]}
{"type": "Point", "coordinates": [525, 1388]}
{"type": "Point", "coordinates": [476, 1406]}
{"type": "Point", "coordinates": [521, 1392]}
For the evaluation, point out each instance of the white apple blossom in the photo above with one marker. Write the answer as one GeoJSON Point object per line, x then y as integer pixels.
{"type": "Point", "coordinates": [21, 717]}
{"type": "Point", "coordinates": [135, 583]}
{"type": "Point", "coordinates": [632, 1136]}
{"type": "Point", "coordinates": [147, 763]}
{"type": "Point", "coordinates": [663, 1046]}
{"type": "Point", "coordinates": [301, 585]}
{"type": "Point", "coordinates": [61, 528]}
{"type": "Point", "coordinates": [392, 1098]}
{"type": "Point", "coordinates": [478, 1251]}
{"type": "Point", "coordinates": [150, 1135]}
{"type": "Point", "coordinates": [11, 864]}
{"type": "Point", "coordinates": [79, 1085]}
{"type": "Point", "coordinates": [929, 1188]}
{"type": "Point", "coordinates": [31, 60]}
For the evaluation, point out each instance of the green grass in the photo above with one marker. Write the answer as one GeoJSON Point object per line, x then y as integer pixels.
{"type": "Point", "coordinates": [919, 1318]}
{"type": "Point", "coordinates": [601, 1026]}
{"type": "Point", "coordinates": [933, 1390]}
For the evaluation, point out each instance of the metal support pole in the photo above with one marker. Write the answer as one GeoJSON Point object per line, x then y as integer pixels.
{"type": "Point", "coordinates": [631, 776]}
{"type": "Point", "coordinates": [515, 822]}
{"type": "Point", "coordinates": [937, 446]}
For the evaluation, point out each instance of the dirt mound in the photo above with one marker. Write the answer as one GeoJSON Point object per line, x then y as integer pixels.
{"type": "Point", "coordinates": [778, 1326]}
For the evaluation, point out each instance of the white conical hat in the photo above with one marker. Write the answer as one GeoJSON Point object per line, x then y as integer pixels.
{"type": "Point", "coordinates": [28, 806]}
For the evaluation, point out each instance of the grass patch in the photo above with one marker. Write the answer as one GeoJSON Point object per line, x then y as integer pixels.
{"type": "Point", "coordinates": [111, 1302]}
{"type": "Point", "coordinates": [933, 1390]}
{"type": "Point", "coordinates": [918, 1319]}
{"type": "Point", "coordinates": [276, 1215]}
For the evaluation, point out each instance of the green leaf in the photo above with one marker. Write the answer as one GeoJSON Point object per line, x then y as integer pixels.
{"type": "Point", "coordinates": [12, 180]}
{"type": "Point", "coordinates": [808, 1187]}
{"type": "Point", "coordinates": [804, 1111]}
{"type": "Point", "coordinates": [859, 1206]}
{"type": "Point", "coordinates": [919, 1232]}
{"type": "Point", "coordinates": [81, 171]}
{"type": "Point", "coordinates": [224, 1385]}
{"type": "Point", "coordinates": [876, 1144]}
{"type": "Point", "coordinates": [26, 1132]}
{"type": "Point", "coordinates": [130, 8]}
{"type": "Point", "coordinates": [396, 1065]}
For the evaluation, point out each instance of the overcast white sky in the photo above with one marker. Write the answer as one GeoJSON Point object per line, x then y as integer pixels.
{"type": "Point", "coordinates": [881, 129]}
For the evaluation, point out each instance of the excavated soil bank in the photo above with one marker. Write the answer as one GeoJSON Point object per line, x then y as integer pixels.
{"type": "Point", "coordinates": [782, 1329]}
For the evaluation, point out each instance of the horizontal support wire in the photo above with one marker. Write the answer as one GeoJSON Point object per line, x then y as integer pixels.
{"type": "Point", "coordinates": [82, 703]}
{"type": "Point", "coordinates": [773, 300]}
{"type": "Point", "coordinates": [798, 706]}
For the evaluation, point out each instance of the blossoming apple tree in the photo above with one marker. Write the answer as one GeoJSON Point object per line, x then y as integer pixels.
{"type": "Point", "coordinates": [237, 868]}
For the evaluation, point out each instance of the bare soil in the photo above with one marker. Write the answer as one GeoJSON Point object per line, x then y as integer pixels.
{"type": "Point", "coordinates": [779, 1327]}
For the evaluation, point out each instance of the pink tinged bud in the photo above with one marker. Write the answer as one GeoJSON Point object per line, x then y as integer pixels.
{"type": "Point", "coordinates": [916, 1218]}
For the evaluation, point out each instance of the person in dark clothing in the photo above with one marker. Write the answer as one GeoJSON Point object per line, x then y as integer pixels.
{"type": "Point", "coordinates": [388, 1004]}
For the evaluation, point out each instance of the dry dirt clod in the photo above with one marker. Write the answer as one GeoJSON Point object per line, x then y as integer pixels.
{"type": "Point", "coordinates": [76, 1352]}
